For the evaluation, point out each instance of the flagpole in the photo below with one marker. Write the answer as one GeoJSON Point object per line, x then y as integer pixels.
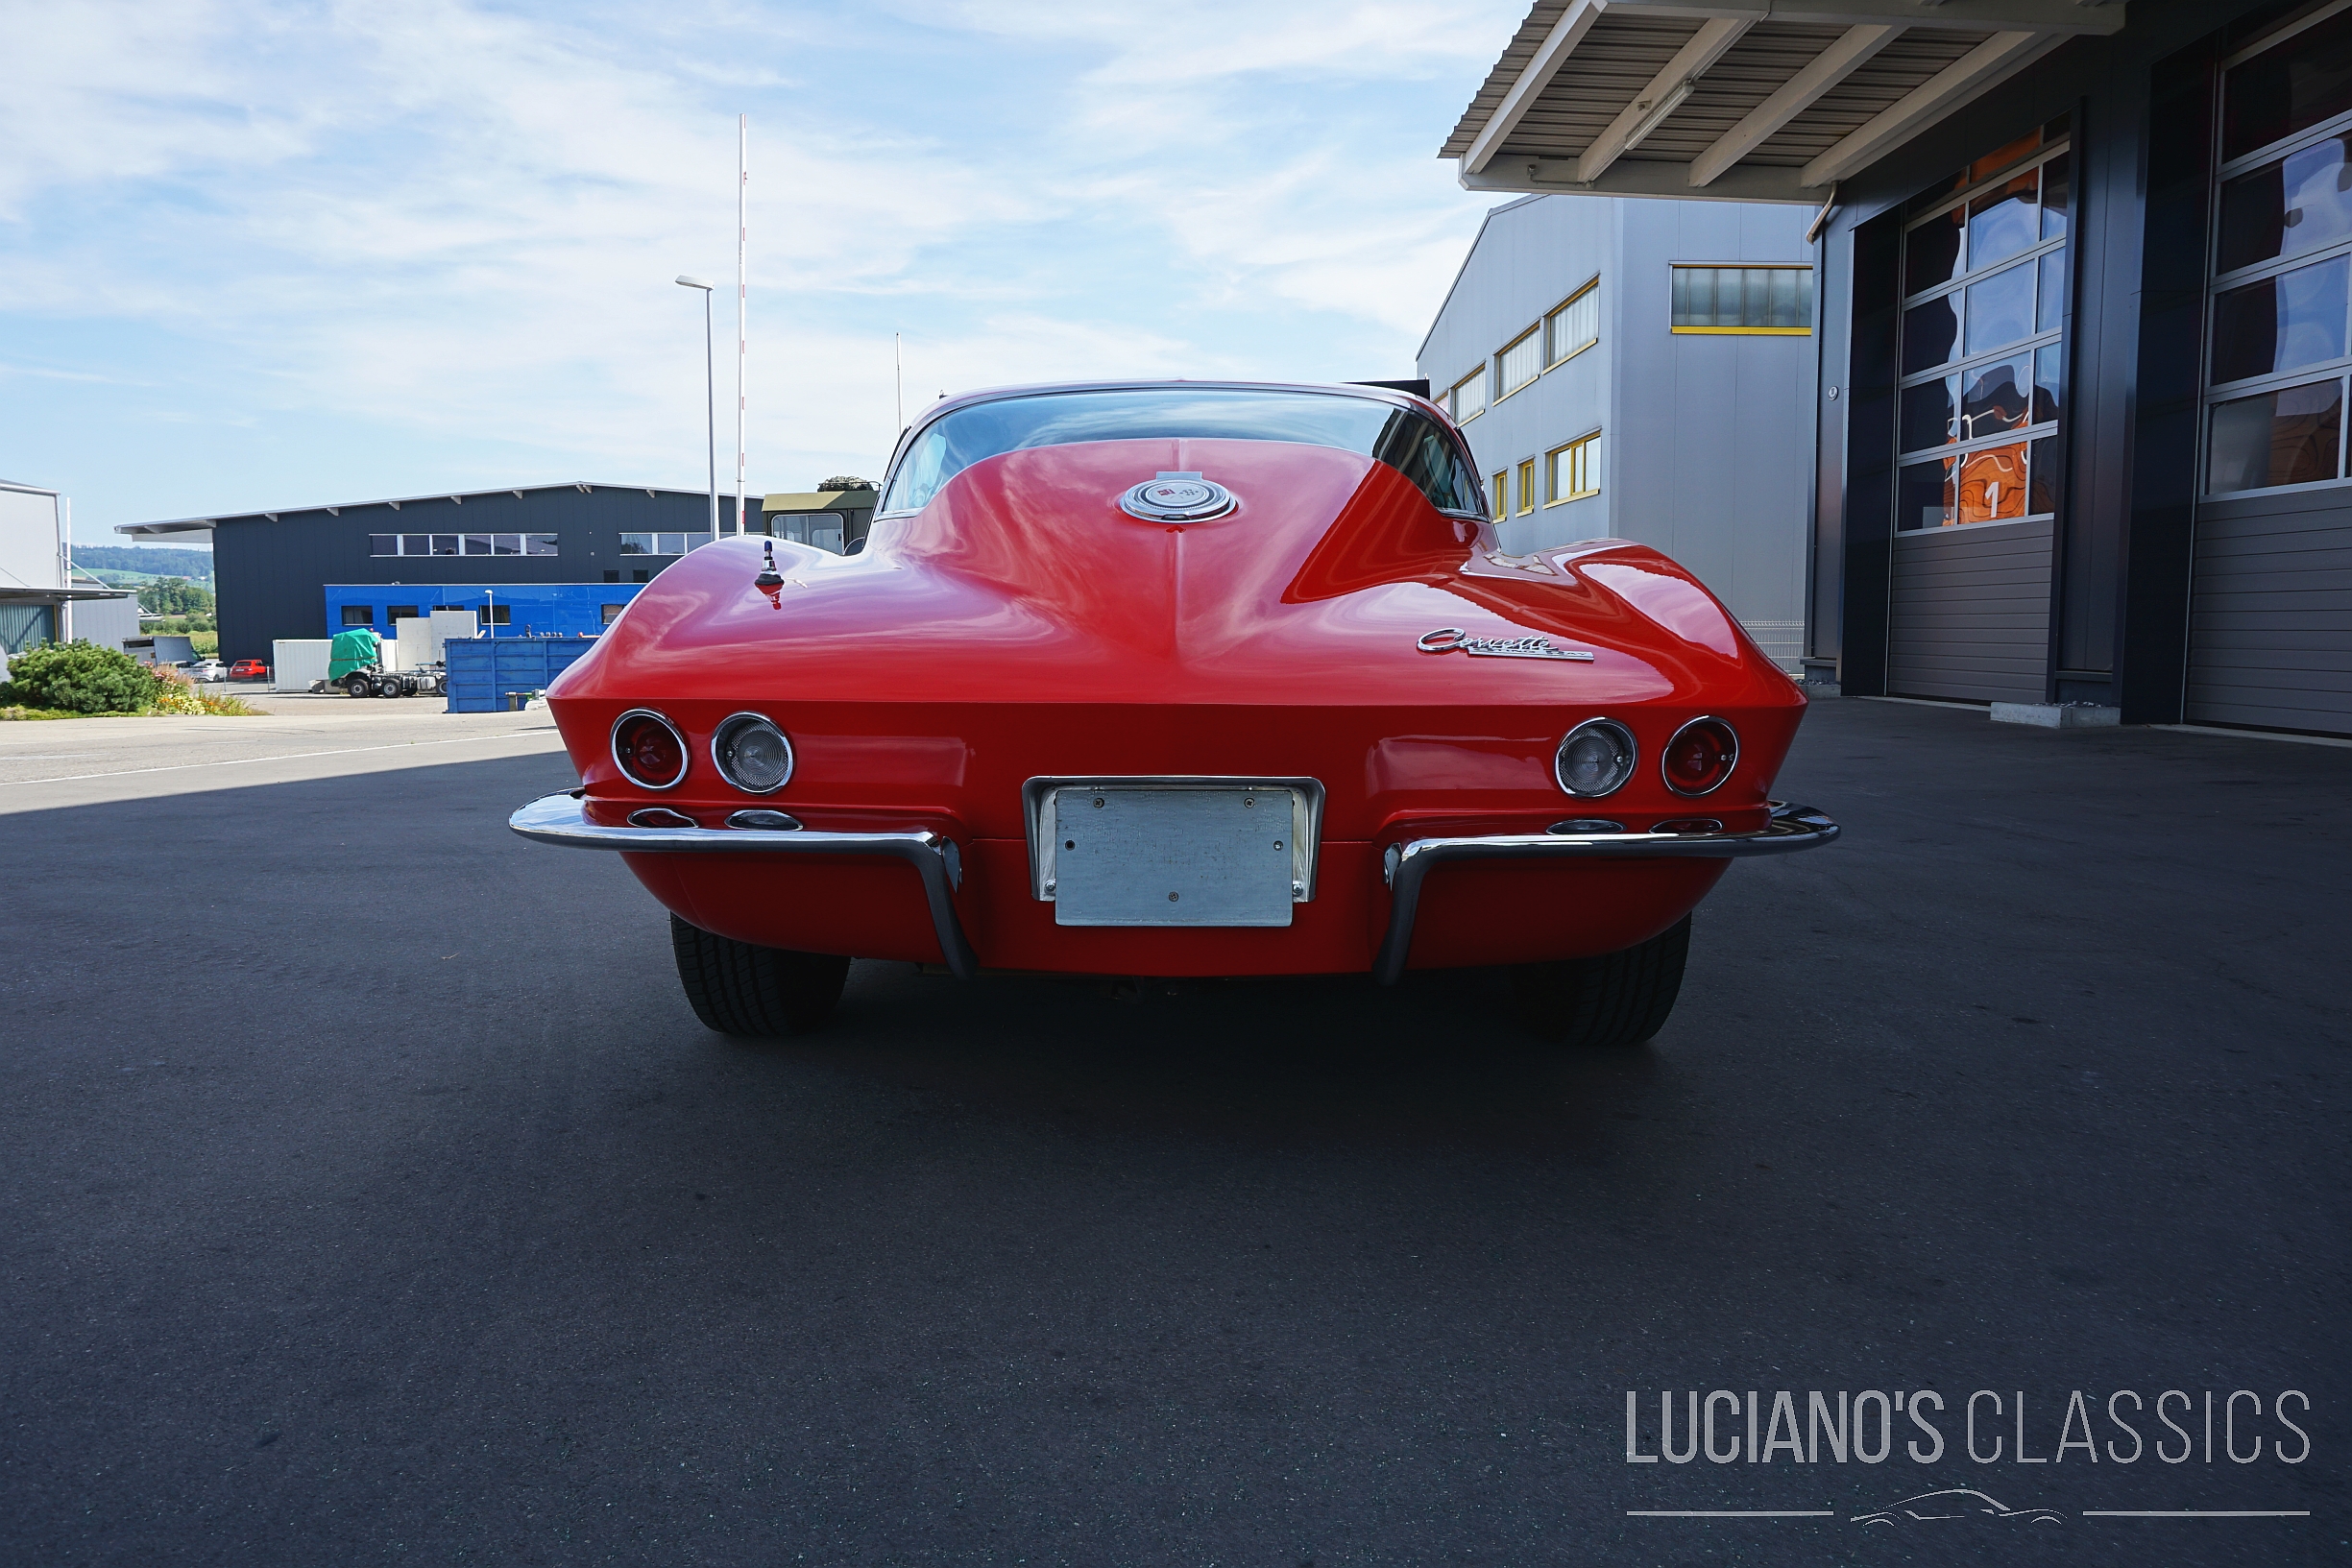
{"type": "Point", "coordinates": [742, 187]}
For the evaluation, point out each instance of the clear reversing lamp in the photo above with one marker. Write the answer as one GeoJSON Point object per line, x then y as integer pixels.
{"type": "Point", "coordinates": [1595, 758]}
{"type": "Point", "coordinates": [751, 754]}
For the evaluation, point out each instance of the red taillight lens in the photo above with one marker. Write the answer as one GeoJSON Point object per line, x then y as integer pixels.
{"type": "Point", "coordinates": [1700, 756]}
{"type": "Point", "coordinates": [649, 750]}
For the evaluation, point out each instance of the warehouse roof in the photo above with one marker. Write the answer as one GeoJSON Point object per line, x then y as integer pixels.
{"type": "Point", "coordinates": [181, 527]}
{"type": "Point", "coordinates": [1742, 100]}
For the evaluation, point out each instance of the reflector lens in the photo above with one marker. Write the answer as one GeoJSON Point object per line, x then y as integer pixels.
{"type": "Point", "coordinates": [1596, 758]}
{"type": "Point", "coordinates": [1700, 756]}
{"type": "Point", "coordinates": [649, 750]}
{"type": "Point", "coordinates": [752, 754]}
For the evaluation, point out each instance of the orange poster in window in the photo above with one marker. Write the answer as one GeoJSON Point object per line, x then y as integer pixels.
{"type": "Point", "coordinates": [1991, 484]}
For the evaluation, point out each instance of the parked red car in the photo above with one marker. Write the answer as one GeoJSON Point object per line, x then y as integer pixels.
{"type": "Point", "coordinates": [1178, 679]}
{"type": "Point", "coordinates": [248, 669]}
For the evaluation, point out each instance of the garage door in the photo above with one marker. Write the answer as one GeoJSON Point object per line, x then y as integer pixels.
{"type": "Point", "coordinates": [1979, 427]}
{"type": "Point", "coordinates": [2270, 616]}
{"type": "Point", "coordinates": [2270, 606]}
{"type": "Point", "coordinates": [1970, 613]}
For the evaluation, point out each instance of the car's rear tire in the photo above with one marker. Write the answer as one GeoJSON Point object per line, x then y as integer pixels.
{"type": "Point", "coordinates": [737, 988]}
{"type": "Point", "coordinates": [1612, 1002]}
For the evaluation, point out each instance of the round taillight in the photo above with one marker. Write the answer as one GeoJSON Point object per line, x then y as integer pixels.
{"type": "Point", "coordinates": [751, 754]}
{"type": "Point", "coordinates": [1700, 756]}
{"type": "Point", "coordinates": [648, 749]}
{"type": "Point", "coordinates": [1595, 758]}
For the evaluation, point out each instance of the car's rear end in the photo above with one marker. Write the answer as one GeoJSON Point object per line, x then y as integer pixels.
{"type": "Point", "coordinates": [1179, 706]}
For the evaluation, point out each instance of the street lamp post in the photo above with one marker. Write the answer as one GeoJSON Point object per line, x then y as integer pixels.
{"type": "Point", "coordinates": [710, 394]}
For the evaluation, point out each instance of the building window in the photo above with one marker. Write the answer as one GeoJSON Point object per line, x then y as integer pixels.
{"type": "Point", "coordinates": [358, 615]}
{"type": "Point", "coordinates": [1468, 398]}
{"type": "Point", "coordinates": [640, 575]}
{"type": "Point", "coordinates": [400, 612]}
{"type": "Point", "coordinates": [1527, 486]}
{"type": "Point", "coordinates": [1983, 345]}
{"type": "Point", "coordinates": [1573, 327]}
{"type": "Point", "coordinates": [462, 544]}
{"type": "Point", "coordinates": [612, 576]}
{"type": "Point", "coordinates": [1573, 471]}
{"type": "Point", "coordinates": [660, 543]}
{"type": "Point", "coordinates": [1502, 495]}
{"type": "Point", "coordinates": [611, 613]}
{"type": "Point", "coordinates": [1520, 363]}
{"type": "Point", "coordinates": [1757, 302]}
{"type": "Point", "coordinates": [2278, 327]}
{"type": "Point", "coordinates": [494, 614]}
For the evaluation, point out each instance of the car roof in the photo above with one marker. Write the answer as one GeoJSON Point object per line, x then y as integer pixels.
{"type": "Point", "coordinates": [945, 406]}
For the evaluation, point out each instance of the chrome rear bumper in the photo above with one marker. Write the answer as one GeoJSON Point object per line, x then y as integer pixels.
{"type": "Point", "coordinates": [1405, 865]}
{"type": "Point", "coordinates": [562, 819]}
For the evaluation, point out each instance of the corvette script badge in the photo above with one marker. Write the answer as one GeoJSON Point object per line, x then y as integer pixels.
{"type": "Point", "coordinates": [1447, 639]}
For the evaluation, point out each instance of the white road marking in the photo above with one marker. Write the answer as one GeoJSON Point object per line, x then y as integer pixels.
{"type": "Point", "coordinates": [287, 757]}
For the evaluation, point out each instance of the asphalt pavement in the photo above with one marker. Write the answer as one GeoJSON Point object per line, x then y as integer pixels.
{"type": "Point", "coordinates": [370, 1196]}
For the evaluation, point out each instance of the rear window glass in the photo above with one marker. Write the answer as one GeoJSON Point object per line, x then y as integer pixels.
{"type": "Point", "coordinates": [1411, 442]}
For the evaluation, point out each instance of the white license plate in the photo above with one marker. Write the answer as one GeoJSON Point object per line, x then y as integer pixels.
{"type": "Point", "coordinates": [1172, 857]}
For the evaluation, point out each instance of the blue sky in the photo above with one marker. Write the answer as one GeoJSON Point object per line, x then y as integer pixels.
{"type": "Point", "coordinates": [263, 256]}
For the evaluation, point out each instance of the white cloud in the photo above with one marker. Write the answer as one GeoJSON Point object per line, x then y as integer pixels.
{"type": "Point", "coordinates": [449, 221]}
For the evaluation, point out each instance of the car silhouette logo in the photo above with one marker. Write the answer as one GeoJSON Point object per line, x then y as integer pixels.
{"type": "Point", "coordinates": [1955, 1503]}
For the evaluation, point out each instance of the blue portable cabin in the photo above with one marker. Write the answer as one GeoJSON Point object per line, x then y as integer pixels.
{"type": "Point", "coordinates": [503, 609]}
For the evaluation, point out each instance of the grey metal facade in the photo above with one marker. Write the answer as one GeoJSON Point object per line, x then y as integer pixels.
{"type": "Point", "coordinates": [270, 568]}
{"type": "Point", "coordinates": [1705, 440]}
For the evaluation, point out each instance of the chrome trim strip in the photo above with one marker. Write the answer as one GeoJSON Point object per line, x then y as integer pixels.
{"type": "Point", "coordinates": [612, 747]}
{"type": "Point", "coordinates": [1405, 865]}
{"type": "Point", "coordinates": [1037, 796]}
{"type": "Point", "coordinates": [562, 819]}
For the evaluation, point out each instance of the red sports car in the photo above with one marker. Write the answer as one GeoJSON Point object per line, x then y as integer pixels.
{"type": "Point", "coordinates": [248, 669]}
{"type": "Point", "coordinates": [1178, 679]}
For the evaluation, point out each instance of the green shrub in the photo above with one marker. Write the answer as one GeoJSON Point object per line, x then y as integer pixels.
{"type": "Point", "coordinates": [82, 678]}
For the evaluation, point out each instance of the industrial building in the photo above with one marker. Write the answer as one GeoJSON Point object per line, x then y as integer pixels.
{"type": "Point", "coordinates": [1644, 371]}
{"type": "Point", "coordinates": [42, 600]}
{"type": "Point", "coordinates": [2083, 280]}
{"type": "Point", "coordinates": [543, 559]}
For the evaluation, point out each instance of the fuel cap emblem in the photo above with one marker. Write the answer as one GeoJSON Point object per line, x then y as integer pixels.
{"type": "Point", "coordinates": [1178, 498]}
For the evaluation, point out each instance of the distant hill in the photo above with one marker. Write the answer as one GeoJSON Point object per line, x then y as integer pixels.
{"type": "Point", "coordinates": [193, 565]}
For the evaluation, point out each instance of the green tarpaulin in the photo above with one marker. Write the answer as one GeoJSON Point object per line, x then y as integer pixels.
{"type": "Point", "coordinates": [355, 649]}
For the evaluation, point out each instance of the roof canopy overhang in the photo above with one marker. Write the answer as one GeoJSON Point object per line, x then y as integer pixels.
{"type": "Point", "coordinates": [1762, 101]}
{"type": "Point", "coordinates": [59, 595]}
{"type": "Point", "coordinates": [187, 533]}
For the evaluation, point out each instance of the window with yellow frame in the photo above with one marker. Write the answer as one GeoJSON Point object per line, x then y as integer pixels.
{"type": "Point", "coordinates": [1573, 471]}
{"type": "Point", "coordinates": [1502, 495]}
{"type": "Point", "coordinates": [1527, 486]}
{"type": "Point", "coordinates": [1742, 300]}
{"type": "Point", "coordinates": [1573, 325]}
